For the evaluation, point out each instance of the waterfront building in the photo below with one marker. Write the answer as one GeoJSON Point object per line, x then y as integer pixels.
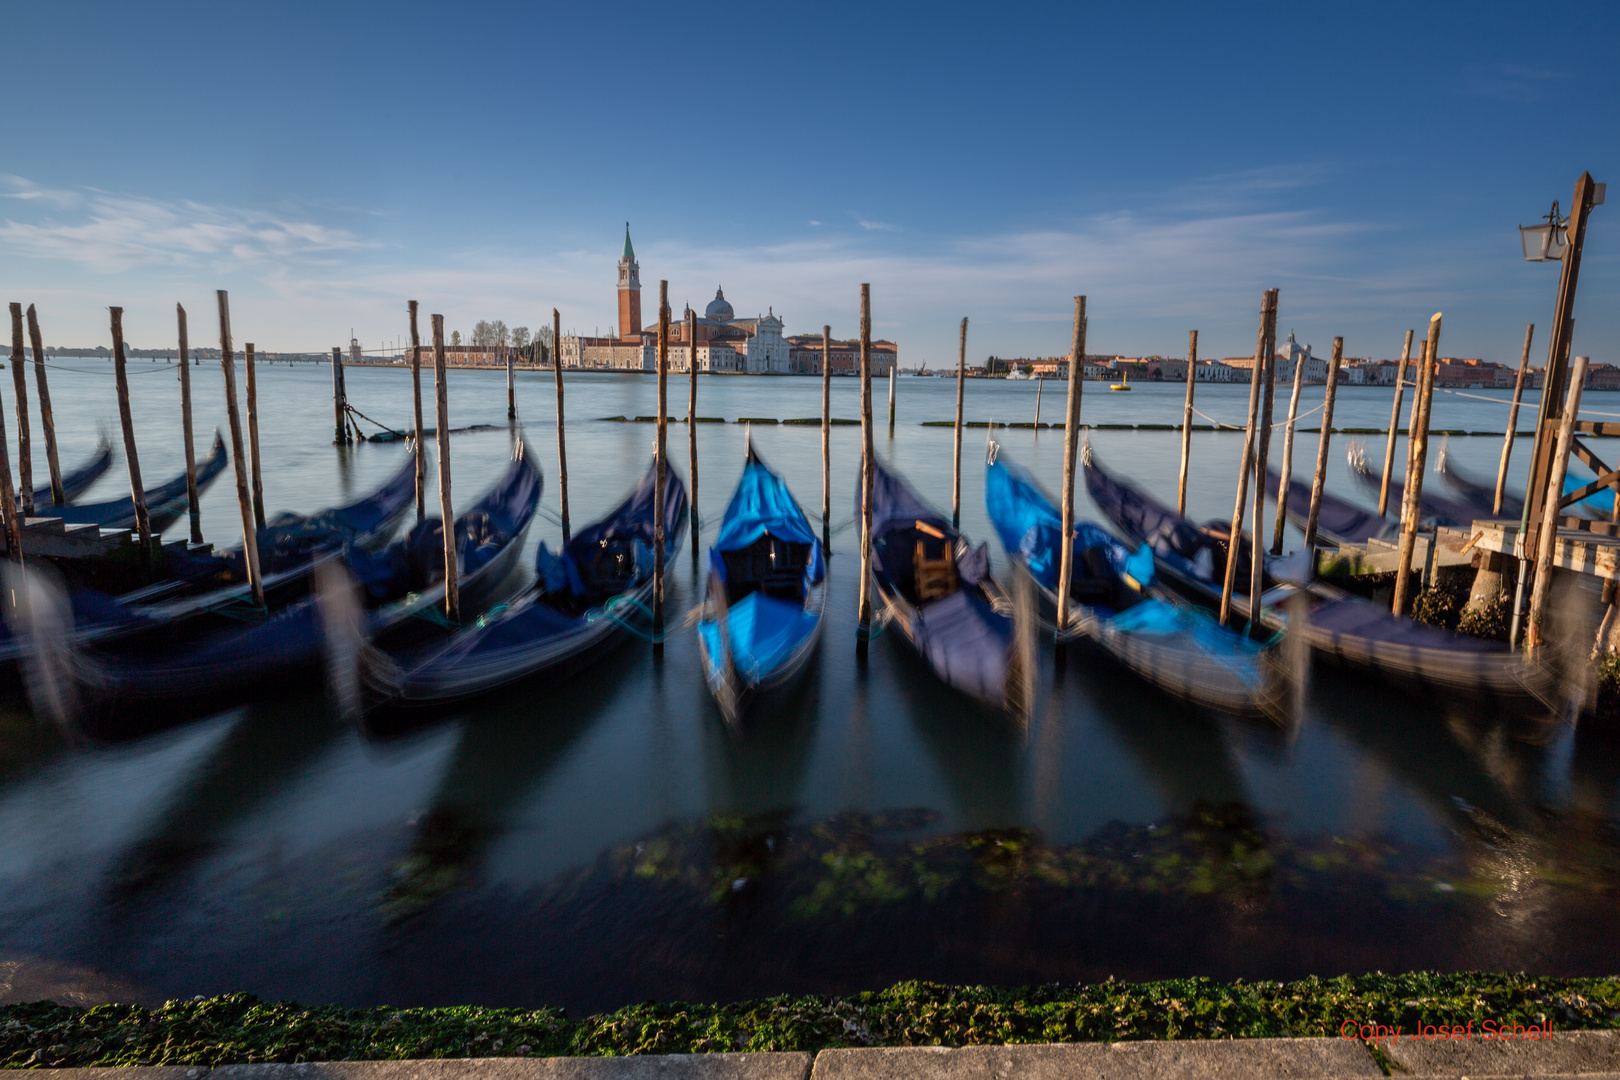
{"type": "Point", "coordinates": [804, 356]}
{"type": "Point", "coordinates": [628, 351]}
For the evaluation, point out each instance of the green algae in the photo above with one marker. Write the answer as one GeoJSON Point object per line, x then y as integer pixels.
{"type": "Point", "coordinates": [239, 1028]}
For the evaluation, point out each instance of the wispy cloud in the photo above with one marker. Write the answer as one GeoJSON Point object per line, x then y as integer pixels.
{"type": "Point", "coordinates": [875, 226]}
{"type": "Point", "coordinates": [110, 233]}
{"type": "Point", "coordinates": [1513, 83]}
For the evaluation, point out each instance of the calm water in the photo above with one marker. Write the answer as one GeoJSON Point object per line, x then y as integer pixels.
{"type": "Point", "coordinates": [610, 840]}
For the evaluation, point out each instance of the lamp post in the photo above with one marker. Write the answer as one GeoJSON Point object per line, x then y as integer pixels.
{"type": "Point", "coordinates": [1561, 241]}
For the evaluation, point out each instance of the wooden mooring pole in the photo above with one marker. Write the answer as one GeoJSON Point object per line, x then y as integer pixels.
{"type": "Point", "coordinates": [1186, 421]}
{"type": "Point", "coordinates": [47, 419]}
{"type": "Point", "coordinates": [447, 513]}
{"type": "Point", "coordinates": [1268, 310]}
{"type": "Point", "coordinates": [956, 468]}
{"type": "Point", "coordinates": [1513, 420]}
{"type": "Point", "coordinates": [8, 494]}
{"type": "Point", "coordinates": [1071, 444]}
{"type": "Point", "coordinates": [19, 386]}
{"type": "Point", "coordinates": [250, 535]}
{"type": "Point", "coordinates": [1040, 384]}
{"type": "Point", "coordinates": [340, 401]}
{"type": "Point", "coordinates": [660, 463]}
{"type": "Point", "coordinates": [193, 497]}
{"type": "Point", "coordinates": [511, 387]}
{"type": "Point", "coordinates": [891, 398]}
{"type": "Point", "coordinates": [1412, 503]}
{"type": "Point", "coordinates": [1287, 467]}
{"type": "Point", "coordinates": [826, 439]}
{"type": "Point", "coordinates": [562, 441]}
{"type": "Point", "coordinates": [416, 403]}
{"type": "Point", "coordinates": [143, 521]}
{"type": "Point", "coordinates": [1262, 447]}
{"type": "Point", "coordinates": [1547, 540]}
{"type": "Point", "coordinates": [1394, 419]}
{"type": "Point", "coordinates": [692, 422]}
{"type": "Point", "coordinates": [863, 630]}
{"type": "Point", "coordinates": [1319, 478]}
{"type": "Point", "coordinates": [253, 435]}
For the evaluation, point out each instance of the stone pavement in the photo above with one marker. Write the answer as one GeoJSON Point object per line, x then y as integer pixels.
{"type": "Point", "coordinates": [1589, 1055]}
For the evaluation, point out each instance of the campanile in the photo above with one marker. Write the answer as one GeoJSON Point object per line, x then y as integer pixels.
{"type": "Point", "coordinates": [629, 291]}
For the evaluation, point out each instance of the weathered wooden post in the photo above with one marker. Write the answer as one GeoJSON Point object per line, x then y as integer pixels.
{"type": "Point", "coordinates": [1412, 504]}
{"type": "Point", "coordinates": [447, 513]}
{"type": "Point", "coordinates": [1288, 455]}
{"type": "Point", "coordinates": [562, 442]}
{"type": "Point", "coordinates": [1186, 421]}
{"type": "Point", "coordinates": [1394, 418]}
{"type": "Point", "coordinates": [511, 388]}
{"type": "Point", "coordinates": [1040, 384]}
{"type": "Point", "coordinates": [143, 522]}
{"type": "Point", "coordinates": [193, 499]}
{"type": "Point", "coordinates": [863, 631]}
{"type": "Point", "coordinates": [826, 438]}
{"type": "Point", "coordinates": [250, 535]}
{"type": "Point", "coordinates": [660, 457]}
{"type": "Point", "coordinates": [1513, 421]}
{"type": "Point", "coordinates": [692, 421]}
{"type": "Point", "coordinates": [253, 435]}
{"type": "Point", "coordinates": [340, 401]}
{"type": "Point", "coordinates": [1071, 444]}
{"type": "Point", "coordinates": [46, 418]}
{"type": "Point", "coordinates": [416, 402]}
{"type": "Point", "coordinates": [1319, 480]}
{"type": "Point", "coordinates": [891, 399]}
{"type": "Point", "coordinates": [956, 469]}
{"type": "Point", "coordinates": [19, 386]}
{"type": "Point", "coordinates": [1268, 309]}
{"type": "Point", "coordinates": [1262, 447]}
{"type": "Point", "coordinates": [8, 495]}
{"type": "Point", "coordinates": [1547, 541]}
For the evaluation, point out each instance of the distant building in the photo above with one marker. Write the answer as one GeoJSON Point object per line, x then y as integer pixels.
{"type": "Point", "coordinates": [629, 350]}
{"type": "Point", "coordinates": [805, 353]}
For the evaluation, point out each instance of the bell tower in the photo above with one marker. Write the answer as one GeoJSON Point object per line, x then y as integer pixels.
{"type": "Point", "coordinates": [629, 292]}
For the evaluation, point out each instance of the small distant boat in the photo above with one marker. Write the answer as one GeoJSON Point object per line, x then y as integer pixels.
{"type": "Point", "coordinates": [1126, 385]}
{"type": "Point", "coordinates": [767, 595]}
{"type": "Point", "coordinates": [575, 613]}
{"type": "Point", "coordinates": [1177, 648]}
{"type": "Point", "coordinates": [936, 590]}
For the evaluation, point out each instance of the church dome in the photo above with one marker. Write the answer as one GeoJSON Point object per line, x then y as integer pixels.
{"type": "Point", "coordinates": [718, 309]}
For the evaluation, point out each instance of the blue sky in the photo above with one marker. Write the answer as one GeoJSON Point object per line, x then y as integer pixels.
{"type": "Point", "coordinates": [328, 162]}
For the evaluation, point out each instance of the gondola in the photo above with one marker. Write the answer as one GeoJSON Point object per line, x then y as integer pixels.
{"type": "Point", "coordinates": [212, 584]}
{"type": "Point", "coordinates": [767, 595]}
{"type": "Point", "coordinates": [76, 481]}
{"type": "Point", "coordinates": [1480, 494]}
{"type": "Point", "coordinates": [1436, 508]}
{"type": "Point", "coordinates": [204, 664]}
{"type": "Point", "coordinates": [1167, 643]}
{"type": "Point", "coordinates": [164, 503]}
{"type": "Point", "coordinates": [1339, 626]}
{"type": "Point", "coordinates": [936, 591]}
{"type": "Point", "coordinates": [578, 609]}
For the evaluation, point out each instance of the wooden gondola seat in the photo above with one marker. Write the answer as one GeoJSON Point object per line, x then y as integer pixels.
{"type": "Point", "coordinates": [934, 564]}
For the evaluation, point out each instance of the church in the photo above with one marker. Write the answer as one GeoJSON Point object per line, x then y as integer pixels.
{"type": "Point", "coordinates": [724, 342]}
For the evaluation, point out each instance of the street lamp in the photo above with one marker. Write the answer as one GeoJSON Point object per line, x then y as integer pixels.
{"type": "Point", "coordinates": [1546, 242]}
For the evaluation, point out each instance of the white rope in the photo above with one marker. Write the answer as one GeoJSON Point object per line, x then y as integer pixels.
{"type": "Point", "coordinates": [1274, 427]}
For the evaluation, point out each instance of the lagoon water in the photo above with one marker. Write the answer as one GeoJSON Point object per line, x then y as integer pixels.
{"type": "Point", "coordinates": [610, 840]}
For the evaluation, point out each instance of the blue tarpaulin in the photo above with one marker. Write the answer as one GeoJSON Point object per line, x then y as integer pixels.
{"type": "Point", "coordinates": [1030, 527]}
{"type": "Point", "coordinates": [762, 504]}
{"type": "Point", "coordinates": [762, 632]}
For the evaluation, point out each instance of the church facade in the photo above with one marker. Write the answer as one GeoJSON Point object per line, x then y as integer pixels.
{"type": "Point", "coordinates": [725, 343]}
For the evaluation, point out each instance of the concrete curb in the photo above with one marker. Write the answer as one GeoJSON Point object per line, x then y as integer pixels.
{"type": "Point", "coordinates": [1590, 1055]}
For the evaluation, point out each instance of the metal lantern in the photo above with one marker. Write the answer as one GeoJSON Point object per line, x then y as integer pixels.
{"type": "Point", "coordinates": [1545, 242]}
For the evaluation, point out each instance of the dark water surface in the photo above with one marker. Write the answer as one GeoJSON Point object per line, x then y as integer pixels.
{"type": "Point", "coordinates": [610, 840]}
